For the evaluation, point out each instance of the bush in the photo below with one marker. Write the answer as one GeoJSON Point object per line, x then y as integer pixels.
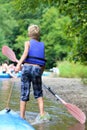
{"type": "Point", "coordinates": [72, 70]}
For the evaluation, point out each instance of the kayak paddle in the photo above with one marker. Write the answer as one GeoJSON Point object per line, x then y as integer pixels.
{"type": "Point", "coordinates": [8, 52]}
{"type": "Point", "coordinates": [74, 110]}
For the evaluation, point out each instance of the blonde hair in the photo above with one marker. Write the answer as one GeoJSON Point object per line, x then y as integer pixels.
{"type": "Point", "coordinates": [34, 31]}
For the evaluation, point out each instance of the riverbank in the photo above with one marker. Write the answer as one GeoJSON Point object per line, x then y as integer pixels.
{"type": "Point", "coordinates": [72, 90]}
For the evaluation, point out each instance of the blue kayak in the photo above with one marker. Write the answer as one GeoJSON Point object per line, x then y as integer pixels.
{"type": "Point", "coordinates": [10, 120]}
{"type": "Point", "coordinates": [46, 73]}
{"type": "Point", "coordinates": [6, 75]}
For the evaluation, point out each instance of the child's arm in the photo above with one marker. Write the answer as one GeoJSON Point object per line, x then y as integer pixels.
{"type": "Point", "coordinates": [23, 57]}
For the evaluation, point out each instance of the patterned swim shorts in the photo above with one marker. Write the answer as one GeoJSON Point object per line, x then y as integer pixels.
{"type": "Point", "coordinates": [31, 74]}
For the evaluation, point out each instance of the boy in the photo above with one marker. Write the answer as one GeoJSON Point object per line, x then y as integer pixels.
{"type": "Point", "coordinates": [34, 61]}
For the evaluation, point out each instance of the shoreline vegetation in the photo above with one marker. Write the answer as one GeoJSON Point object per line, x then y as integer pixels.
{"type": "Point", "coordinates": [72, 70]}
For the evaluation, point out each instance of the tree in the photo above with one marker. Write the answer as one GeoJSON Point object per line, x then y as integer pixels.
{"type": "Point", "coordinates": [77, 10]}
{"type": "Point", "coordinates": [76, 30]}
{"type": "Point", "coordinates": [7, 24]}
{"type": "Point", "coordinates": [63, 24]}
{"type": "Point", "coordinates": [54, 35]}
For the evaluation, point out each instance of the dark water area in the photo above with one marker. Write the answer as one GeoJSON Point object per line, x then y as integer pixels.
{"type": "Point", "coordinates": [61, 119]}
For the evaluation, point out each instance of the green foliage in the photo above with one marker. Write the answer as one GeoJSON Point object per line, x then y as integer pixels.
{"type": "Point", "coordinates": [4, 1]}
{"type": "Point", "coordinates": [63, 27]}
{"type": "Point", "coordinates": [19, 46]}
{"type": "Point", "coordinates": [7, 24]}
{"type": "Point", "coordinates": [54, 27]}
{"type": "Point", "coordinates": [77, 10]}
{"type": "Point", "coordinates": [71, 69]}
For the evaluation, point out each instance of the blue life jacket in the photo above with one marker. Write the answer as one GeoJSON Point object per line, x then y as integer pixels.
{"type": "Point", "coordinates": [36, 53]}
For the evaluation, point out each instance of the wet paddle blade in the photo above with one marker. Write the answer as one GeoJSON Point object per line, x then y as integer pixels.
{"type": "Point", "coordinates": [8, 52]}
{"type": "Point", "coordinates": [76, 112]}
{"type": "Point", "coordinates": [73, 110]}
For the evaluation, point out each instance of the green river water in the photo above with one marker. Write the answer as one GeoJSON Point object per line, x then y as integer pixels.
{"type": "Point", "coordinates": [61, 119]}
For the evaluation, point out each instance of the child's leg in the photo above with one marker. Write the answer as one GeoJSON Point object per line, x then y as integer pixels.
{"type": "Point", "coordinates": [37, 87]}
{"type": "Point", "coordinates": [22, 109]}
{"type": "Point", "coordinates": [41, 105]}
{"type": "Point", "coordinates": [25, 89]}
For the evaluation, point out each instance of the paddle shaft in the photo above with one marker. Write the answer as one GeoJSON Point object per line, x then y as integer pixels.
{"type": "Point", "coordinates": [58, 98]}
{"type": "Point", "coordinates": [9, 97]}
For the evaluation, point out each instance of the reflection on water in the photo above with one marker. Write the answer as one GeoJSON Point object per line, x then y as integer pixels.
{"type": "Point", "coordinates": [61, 119]}
{"type": "Point", "coordinates": [77, 126]}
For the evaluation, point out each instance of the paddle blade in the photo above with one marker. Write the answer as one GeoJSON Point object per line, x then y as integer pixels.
{"type": "Point", "coordinates": [8, 52]}
{"type": "Point", "coordinates": [76, 112]}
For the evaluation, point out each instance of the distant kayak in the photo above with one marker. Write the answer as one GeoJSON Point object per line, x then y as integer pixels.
{"type": "Point", "coordinates": [6, 75]}
{"type": "Point", "coordinates": [45, 73]}
{"type": "Point", "coordinates": [10, 120]}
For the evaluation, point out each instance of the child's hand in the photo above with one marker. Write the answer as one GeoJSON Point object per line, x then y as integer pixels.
{"type": "Point", "coordinates": [17, 68]}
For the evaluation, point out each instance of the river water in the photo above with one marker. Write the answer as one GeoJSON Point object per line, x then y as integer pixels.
{"type": "Point", "coordinates": [61, 119]}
